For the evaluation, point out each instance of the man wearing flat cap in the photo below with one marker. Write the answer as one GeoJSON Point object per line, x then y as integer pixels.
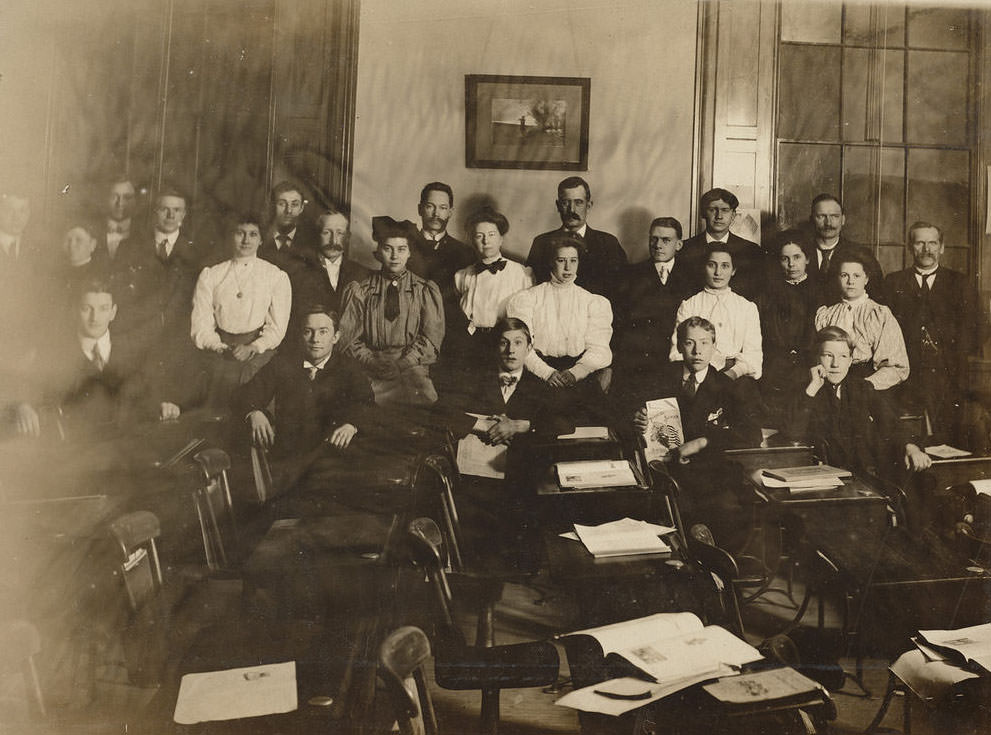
{"type": "Point", "coordinates": [393, 321]}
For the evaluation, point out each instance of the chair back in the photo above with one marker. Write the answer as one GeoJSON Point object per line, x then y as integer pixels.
{"type": "Point", "coordinates": [215, 509]}
{"type": "Point", "coordinates": [400, 666]}
{"type": "Point", "coordinates": [424, 552]}
{"type": "Point", "coordinates": [135, 534]}
{"type": "Point", "coordinates": [722, 566]}
{"type": "Point", "coordinates": [664, 483]}
{"type": "Point", "coordinates": [434, 484]}
{"type": "Point", "coordinates": [262, 474]}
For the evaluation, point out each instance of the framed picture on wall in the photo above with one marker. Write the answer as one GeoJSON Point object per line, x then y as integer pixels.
{"type": "Point", "coordinates": [526, 122]}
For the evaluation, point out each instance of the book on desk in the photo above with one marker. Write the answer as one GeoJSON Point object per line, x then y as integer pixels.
{"type": "Point", "coordinates": [651, 657]}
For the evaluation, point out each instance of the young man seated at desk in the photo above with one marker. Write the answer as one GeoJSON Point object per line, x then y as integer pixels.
{"type": "Point", "coordinates": [513, 406]}
{"type": "Point", "coordinates": [715, 415]}
{"type": "Point", "coordinates": [319, 397]}
{"type": "Point", "coordinates": [87, 378]}
{"type": "Point", "coordinates": [850, 420]}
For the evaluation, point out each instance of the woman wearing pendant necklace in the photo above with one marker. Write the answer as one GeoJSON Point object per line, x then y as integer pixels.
{"type": "Point", "coordinates": [240, 312]}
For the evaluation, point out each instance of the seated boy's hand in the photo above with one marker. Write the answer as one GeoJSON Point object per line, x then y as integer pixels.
{"type": "Point", "coordinates": [342, 435]}
{"type": "Point", "coordinates": [916, 460]}
{"type": "Point", "coordinates": [505, 428]}
{"type": "Point", "coordinates": [262, 433]}
{"type": "Point", "coordinates": [168, 411]}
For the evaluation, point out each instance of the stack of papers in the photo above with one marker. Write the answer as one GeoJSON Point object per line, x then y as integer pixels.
{"type": "Point", "coordinates": [803, 479]}
{"type": "Point", "coordinates": [235, 693]}
{"type": "Point", "coordinates": [587, 432]}
{"type": "Point", "coordinates": [965, 646]}
{"type": "Point", "coordinates": [622, 538]}
{"type": "Point", "coordinates": [595, 473]}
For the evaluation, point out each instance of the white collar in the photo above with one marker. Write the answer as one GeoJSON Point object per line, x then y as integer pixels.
{"type": "Point", "coordinates": [800, 280]}
{"type": "Point", "coordinates": [319, 365]}
{"type": "Point", "coordinates": [927, 272]}
{"type": "Point", "coordinates": [430, 238]}
{"type": "Point", "coordinates": [159, 236]}
{"type": "Point", "coordinates": [857, 301]}
{"type": "Point", "coordinates": [720, 293]}
{"type": "Point", "coordinates": [580, 231]}
{"type": "Point", "coordinates": [86, 344]}
{"type": "Point", "coordinates": [700, 376]}
{"type": "Point", "coordinates": [709, 238]}
{"type": "Point", "coordinates": [824, 247]}
{"type": "Point", "coordinates": [666, 265]}
{"type": "Point", "coordinates": [331, 264]}
{"type": "Point", "coordinates": [517, 373]}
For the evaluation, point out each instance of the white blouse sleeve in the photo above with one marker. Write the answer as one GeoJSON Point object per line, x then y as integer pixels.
{"type": "Point", "coordinates": [598, 332]}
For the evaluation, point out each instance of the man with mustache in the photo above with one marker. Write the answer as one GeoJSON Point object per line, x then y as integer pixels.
{"type": "Point", "coordinates": [934, 305]}
{"type": "Point", "coordinates": [435, 255]}
{"type": "Point", "coordinates": [828, 246]}
{"type": "Point", "coordinates": [325, 270]}
{"type": "Point", "coordinates": [605, 260]}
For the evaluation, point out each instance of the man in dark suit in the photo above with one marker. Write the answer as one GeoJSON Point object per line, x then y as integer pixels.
{"type": "Point", "coordinates": [326, 269]}
{"type": "Point", "coordinates": [288, 236]}
{"type": "Point", "coordinates": [513, 401]}
{"type": "Point", "coordinates": [602, 269]}
{"type": "Point", "coordinates": [119, 213]}
{"type": "Point", "coordinates": [827, 247]}
{"type": "Point", "coordinates": [935, 307]}
{"type": "Point", "coordinates": [852, 424]}
{"type": "Point", "coordinates": [714, 416]}
{"type": "Point", "coordinates": [89, 379]}
{"type": "Point", "coordinates": [153, 276]}
{"type": "Point", "coordinates": [318, 395]}
{"type": "Point", "coordinates": [645, 310]}
{"type": "Point", "coordinates": [717, 208]}
{"type": "Point", "coordinates": [435, 255]}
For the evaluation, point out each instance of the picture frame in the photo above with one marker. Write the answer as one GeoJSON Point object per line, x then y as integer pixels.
{"type": "Point", "coordinates": [526, 122]}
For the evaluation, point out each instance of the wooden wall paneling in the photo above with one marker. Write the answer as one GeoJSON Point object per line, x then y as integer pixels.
{"type": "Point", "coordinates": [149, 34]}
{"type": "Point", "coordinates": [342, 72]}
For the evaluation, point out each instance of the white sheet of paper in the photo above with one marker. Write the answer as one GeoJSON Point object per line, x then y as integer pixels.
{"type": "Point", "coordinates": [587, 700]}
{"type": "Point", "coordinates": [945, 451]}
{"type": "Point", "coordinates": [617, 636]}
{"type": "Point", "coordinates": [973, 643]}
{"type": "Point", "coordinates": [477, 458]}
{"type": "Point", "coordinates": [983, 487]}
{"type": "Point", "coordinates": [587, 432]}
{"type": "Point", "coordinates": [234, 693]}
{"type": "Point", "coordinates": [621, 538]}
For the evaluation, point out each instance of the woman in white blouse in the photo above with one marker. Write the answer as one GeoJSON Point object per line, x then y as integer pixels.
{"type": "Point", "coordinates": [571, 327]}
{"type": "Point", "coordinates": [483, 289]}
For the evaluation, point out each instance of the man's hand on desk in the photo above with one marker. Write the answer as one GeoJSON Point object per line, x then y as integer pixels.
{"type": "Point", "coordinates": [342, 435]}
{"type": "Point", "coordinates": [28, 422]}
{"type": "Point", "coordinates": [262, 433]}
{"type": "Point", "coordinates": [915, 459]}
{"type": "Point", "coordinates": [168, 411]}
{"type": "Point", "coordinates": [504, 429]}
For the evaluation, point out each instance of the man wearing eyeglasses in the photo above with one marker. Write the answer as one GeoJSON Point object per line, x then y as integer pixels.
{"type": "Point", "coordinates": [717, 208]}
{"type": "Point", "coordinates": [287, 237]}
{"type": "Point", "coordinates": [828, 246]}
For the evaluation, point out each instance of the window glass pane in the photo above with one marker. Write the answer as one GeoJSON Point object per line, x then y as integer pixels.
{"type": "Point", "coordinates": [938, 191]}
{"type": "Point", "coordinates": [892, 258]}
{"type": "Point", "coordinates": [811, 22]}
{"type": "Point", "coordinates": [855, 81]}
{"type": "Point", "coordinates": [892, 96]}
{"type": "Point", "coordinates": [936, 110]}
{"type": "Point", "coordinates": [803, 172]}
{"type": "Point", "coordinates": [859, 192]}
{"type": "Point", "coordinates": [891, 215]}
{"type": "Point", "coordinates": [945, 28]}
{"type": "Point", "coordinates": [868, 25]}
{"type": "Point", "coordinates": [870, 113]}
{"type": "Point", "coordinates": [809, 100]}
{"type": "Point", "coordinates": [956, 258]}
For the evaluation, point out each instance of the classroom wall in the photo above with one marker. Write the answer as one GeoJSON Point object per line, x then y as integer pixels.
{"type": "Point", "coordinates": [414, 55]}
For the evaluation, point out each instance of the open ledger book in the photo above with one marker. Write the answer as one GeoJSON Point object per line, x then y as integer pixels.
{"type": "Point", "coordinates": [670, 651]}
{"type": "Point", "coordinates": [966, 646]}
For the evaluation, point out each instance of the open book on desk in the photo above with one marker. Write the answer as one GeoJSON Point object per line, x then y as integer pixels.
{"type": "Point", "coordinates": [667, 652]}
{"type": "Point", "coordinates": [966, 646]}
{"type": "Point", "coordinates": [587, 474]}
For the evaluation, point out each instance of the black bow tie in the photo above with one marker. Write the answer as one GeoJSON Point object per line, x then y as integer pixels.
{"type": "Point", "coordinates": [494, 267]}
{"type": "Point", "coordinates": [508, 380]}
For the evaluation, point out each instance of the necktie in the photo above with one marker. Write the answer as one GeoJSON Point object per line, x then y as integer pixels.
{"type": "Point", "coordinates": [826, 255]}
{"type": "Point", "coordinates": [97, 359]}
{"type": "Point", "coordinates": [689, 386]}
{"type": "Point", "coordinates": [283, 241]}
{"type": "Point", "coordinates": [163, 252]}
{"type": "Point", "coordinates": [493, 267]}
{"type": "Point", "coordinates": [392, 301]}
{"type": "Point", "coordinates": [926, 286]}
{"type": "Point", "coordinates": [506, 380]}
{"type": "Point", "coordinates": [664, 275]}
{"type": "Point", "coordinates": [312, 370]}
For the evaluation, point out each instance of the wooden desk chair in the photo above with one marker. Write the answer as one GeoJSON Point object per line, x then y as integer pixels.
{"type": "Point", "coordinates": [215, 510]}
{"type": "Point", "coordinates": [401, 658]}
{"type": "Point", "coordinates": [434, 484]}
{"type": "Point", "coordinates": [20, 643]}
{"type": "Point", "coordinates": [483, 666]}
